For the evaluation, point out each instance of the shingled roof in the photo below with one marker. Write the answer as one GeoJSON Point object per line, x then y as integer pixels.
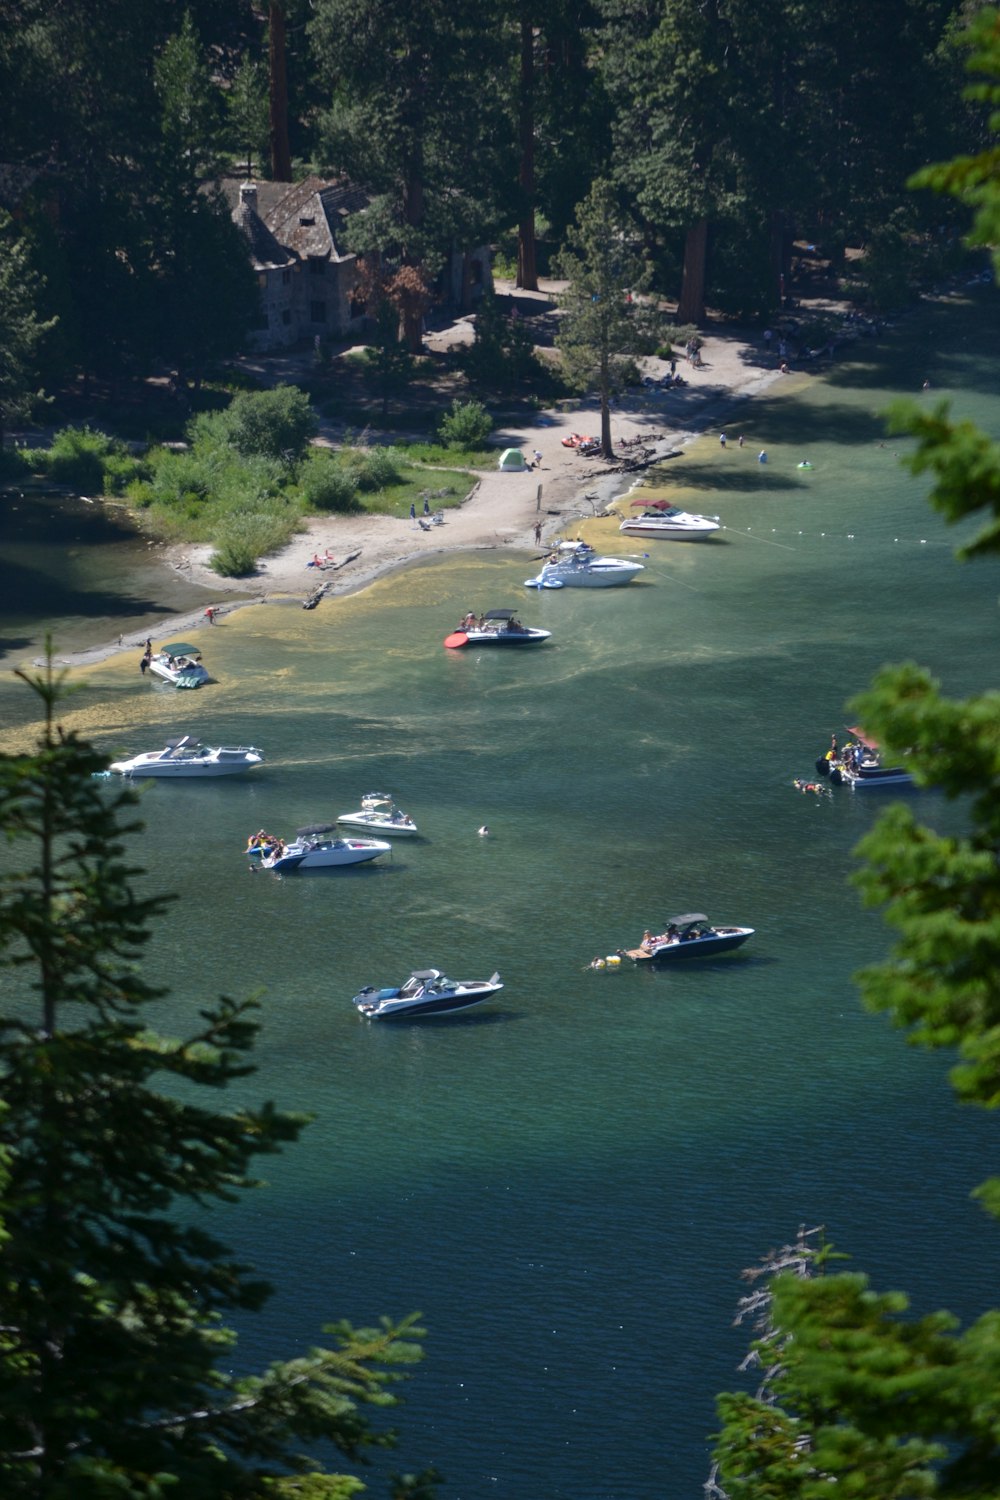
{"type": "Point", "coordinates": [298, 221]}
{"type": "Point", "coordinates": [311, 216]}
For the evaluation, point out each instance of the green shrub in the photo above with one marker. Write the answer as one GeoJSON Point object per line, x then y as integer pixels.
{"type": "Point", "coordinates": [329, 485]}
{"type": "Point", "coordinates": [78, 455]}
{"type": "Point", "coordinates": [121, 470]}
{"type": "Point", "coordinates": [15, 463]}
{"type": "Point", "coordinates": [244, 537]}
{"type": "Point", "coordinates": [377, 470]}
{"type": "Point", "coordinates": [467, 425]}
{"type": "Point", "coordinates": [274, 424]}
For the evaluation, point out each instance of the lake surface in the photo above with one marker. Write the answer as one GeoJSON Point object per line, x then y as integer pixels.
{"type": "Point", "coordinates": [567, 1182]}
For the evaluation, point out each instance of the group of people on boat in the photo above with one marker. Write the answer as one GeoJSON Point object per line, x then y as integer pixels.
{"type": "Point", "coordinates": [673, 934]}
{"type": "Point", "coordinates": [480, 622]}
{"type": "Point", "coordinates": [263, 845]}
{"type": "Point", "coordinates": [850, 755]}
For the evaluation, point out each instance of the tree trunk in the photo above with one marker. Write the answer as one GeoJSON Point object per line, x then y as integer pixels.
{"type": "Point", "coordinates": [413, 214]}
{"type": "Point", "coordinates": [281, 155]}
{"type": "Point", "coordinates": [691, 307]}
{"type": "Point", "coordinates": [527, 264]}
{"type": "Point", "coordinates": [777, 248]}
{"type": "Point", "coordinates": [607, 449]}
{"type": "Point", "coordinates": [465, 298]}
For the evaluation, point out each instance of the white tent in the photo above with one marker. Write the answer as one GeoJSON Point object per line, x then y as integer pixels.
{"type": "Point", "coordinates": [511, 459]}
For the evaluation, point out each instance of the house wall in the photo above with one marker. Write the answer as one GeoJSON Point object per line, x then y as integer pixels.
{"type": "Point", "coordinates": [300, 302]}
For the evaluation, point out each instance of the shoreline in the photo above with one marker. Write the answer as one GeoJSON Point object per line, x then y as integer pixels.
{"type": "Point", "coordinates": [500, 511]}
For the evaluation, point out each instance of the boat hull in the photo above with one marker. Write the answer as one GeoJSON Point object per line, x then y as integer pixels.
{"type": "Point", "coordinates": [668, 533]}
{"type": "Point", "coordinates": [411, 1010]}
{"type": "Point", "coordinates": [870, 777]}
{"type": "Point", "coordinates": [179, 766]}
{"type": "Point", "coordinates": [721, 940]}
{"type": "Point", "coordinates": [386, 827]}
{"type": "Point", "coordinates": [183, 773]}
{"type": "Point", "coordinates": [326, 856]}
{"type": "Point", "coordinates": [590, 577]}
{"type": "Point", "coordinates": [462, 638]}
{"type": "Point", "coordinates": [532, 637]}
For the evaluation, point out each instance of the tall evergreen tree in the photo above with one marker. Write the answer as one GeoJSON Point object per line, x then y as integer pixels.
{"type": "Point", "coordinates": [205, 287]}
{"type": "Point", "coordinates": [603, 326]}
{"type": "Point", "coordinates": [112, 1293]}
{"type": "Point", "coordinates": [21, 329]}
{"type": "Point", "coordinates": [864, 1397]}
{"type": "Point", "coordinates": [417, 116]}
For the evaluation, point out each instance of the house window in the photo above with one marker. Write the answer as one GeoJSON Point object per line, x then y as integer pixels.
{"type": "Point", "coordinates": [262, 281]}
{"type": "Point", "coordinates": [357, 305]}
{"type": "Point", "coordinates": [317, 312]}
{"type": "Point", "coordinates": [286, 316]}
{"type": "Point", "coordinates": [307, 221]}
{"type": "Point", "coordinates": [477, 272]}
{"type": "Point", "coordinates": [317, 266]}
{"type": "Point", "coordinates": [286, 278]}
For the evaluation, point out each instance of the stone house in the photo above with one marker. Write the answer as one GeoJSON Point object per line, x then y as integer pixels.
{"type": "Point", "coordinates": [307, 279]}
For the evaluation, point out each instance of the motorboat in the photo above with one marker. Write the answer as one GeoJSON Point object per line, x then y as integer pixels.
{"type": "Point", "coordinates": [668, 522]}
{"type": "Point", "coordinates": [687, 936]}
{"type": "Point", "coordinates": [312, 849]}
{"type": "Point", "coordinates": [498, 627]}
{"type": "Point", "coordinates": [378, 813]}
{"type": "Point", "coordinates": [180, 664]}
{"type": "Point", "coordinates": [184, 756]}
{"type": "Point", "coordinates": [576, 565]}
{"type": "Point", "coordinates": [858, 763]}
{"type": "Point", "coordinates": [427, 992]}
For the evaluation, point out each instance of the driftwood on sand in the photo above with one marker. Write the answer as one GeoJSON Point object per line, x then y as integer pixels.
{"type": "Point", "coordinates": [311, 601]}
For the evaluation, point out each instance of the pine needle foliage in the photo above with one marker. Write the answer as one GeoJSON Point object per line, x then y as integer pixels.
{"type": "Point", "coordinates": [113, 1293]}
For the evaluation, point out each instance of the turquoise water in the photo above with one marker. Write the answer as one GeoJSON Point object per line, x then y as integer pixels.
{"type": "Point", "coordinates": [568, 1181]}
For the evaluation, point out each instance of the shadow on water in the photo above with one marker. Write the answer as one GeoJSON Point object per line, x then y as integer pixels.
{"type": "Point", "coordinates": [707, 476]}
{"type": "Point", "coordinates": [465, 1018]}
{"type": "Point", "coordinates": [25, 587]}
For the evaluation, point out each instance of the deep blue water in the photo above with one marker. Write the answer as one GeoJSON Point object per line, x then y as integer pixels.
{"type": "Point", "coordinates": [568, 1181]}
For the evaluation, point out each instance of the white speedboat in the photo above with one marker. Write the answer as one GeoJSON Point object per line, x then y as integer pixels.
{"type": "Point", "coordinates": [668, 522]}
{"type": "Point", "coordinates": [311, 849]}
{"type": "Point", "coordinates": [427, 992]}
{"type": "Point", "coordinates": [859, 764]}
{"type": "Point", "coordinates": [186, 757]}
{"type": "Point", "coordinates": [379, 814]}
{"type": "Point", "coordinates": [180, 664]}
{"type": "Point", "coordinates": [576, 565]}
{"type": "Point", "coordinates": [498, 627]}
{"type": "Point", "coordinates": [688, 936]}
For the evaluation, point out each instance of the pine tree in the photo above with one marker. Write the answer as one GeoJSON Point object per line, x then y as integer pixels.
{"type": "Point", "coordinates": [869, 1399]}
{"type": "Point", "coordinates": [112, 1293]}
{"type": "Point", "coordinates": [603, 327]}
{"type": "Point", "coordinates": [22, 330]}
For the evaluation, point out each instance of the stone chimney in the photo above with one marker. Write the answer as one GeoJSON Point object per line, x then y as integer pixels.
{"type": "Point", "coordinates": [248, 196]}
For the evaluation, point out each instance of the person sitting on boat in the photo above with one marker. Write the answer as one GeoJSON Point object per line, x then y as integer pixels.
{"type": "Point", "coordinates": [647, 941]}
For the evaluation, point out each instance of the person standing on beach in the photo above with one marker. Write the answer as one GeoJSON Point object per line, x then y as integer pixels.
{"type": "Point", "coordinates": [538, 533]}
{"type": "Point", "coordinates": [722, 439]}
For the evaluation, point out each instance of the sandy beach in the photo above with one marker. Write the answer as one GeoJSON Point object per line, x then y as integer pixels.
{"type": "Point", "coordinates": [501, 510]}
